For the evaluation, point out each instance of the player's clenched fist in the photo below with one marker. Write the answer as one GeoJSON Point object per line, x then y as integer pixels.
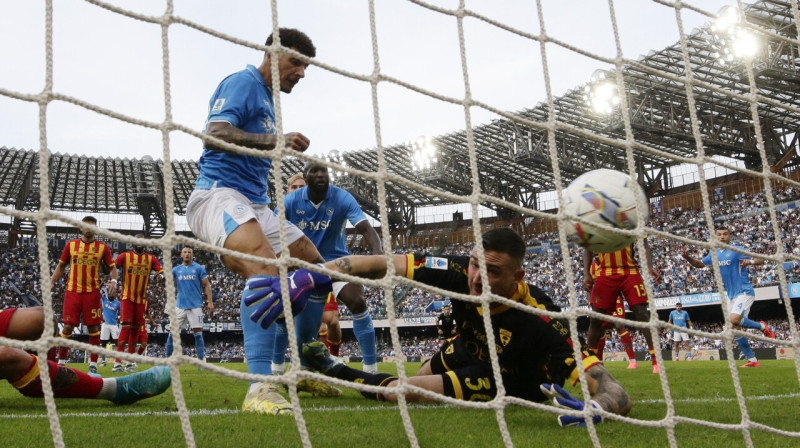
{"type": "Point", "coordinates": [296, 141]}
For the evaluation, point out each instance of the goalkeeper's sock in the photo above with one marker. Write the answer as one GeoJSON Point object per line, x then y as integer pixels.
{"type": "Point", "coordinates": [281, 344]}
{"type": "Point", "coordinates": [601, 345]}
{"type": "Point", "coordinates": [259, 344]}
{"type": "Point", "coordinates": [66, 382]}
{"type": "Point", "coordinates": [747, 323]}
{"type": "Point", "coordinates": [308, 321]}
{"type": "Point", "coordinates": [200, 345]}
{"type": "Point", "coordinates": [344, 372]}
{"type": "Point", "coordinates": [365, 333]}
{"type": "Point", "coordinates": [627, 343]}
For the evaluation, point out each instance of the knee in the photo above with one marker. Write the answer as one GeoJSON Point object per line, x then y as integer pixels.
{"type": "Point", "coordinates": [357, 306]}
{"type": "Point", "coordinates": [736, 319]}
{"type": "Point", "coordinates": [12, 360]}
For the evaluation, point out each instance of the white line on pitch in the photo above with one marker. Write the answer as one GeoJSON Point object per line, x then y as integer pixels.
{"type": "Point", "coordinates": [212, 412]}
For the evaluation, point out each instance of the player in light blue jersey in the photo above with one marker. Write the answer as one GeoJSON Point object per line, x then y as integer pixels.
{"type": "Point", "coordinates": [228, 207]}
{"type": "Point", "coordinates": [738, 289]}
{"type": "Point", "coordinates": [321, 211]}
{"type": "Point", "coordinates": [109, 330]}
{"type": "Point", "coordinates": [680, 318]}
{"type": "Point", "coordinates": [191, 281]}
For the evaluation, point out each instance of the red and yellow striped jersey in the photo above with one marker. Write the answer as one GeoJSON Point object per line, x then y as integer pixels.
{"type": "Point", "coordinates": [84, 264]}
{"type": "Point", "coordinates": [620, 262]}
{"type": "Point", "coordinates": [135, 274]}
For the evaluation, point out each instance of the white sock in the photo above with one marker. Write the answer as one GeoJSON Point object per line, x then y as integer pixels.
{"type": "Point", "coordinates": [253, 387]}
{"type": "Point", "coordinates": [370, 368]}
{"type": "Point", "coordinates": [109, 389]}
{"type": "Point", "coordinates": [278, 369]}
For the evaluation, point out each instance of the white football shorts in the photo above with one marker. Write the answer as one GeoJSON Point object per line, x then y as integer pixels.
{"type": "Point", "coordinates": [194, 316]}
{"type": "Point", "coordinates": [215, 213]}
{"type": "Point", "coordinates": [679, 336]}
{"type": "Point", "coordinates": [107, 330]}
{"type": "Point", "coordinates": [741, 304]}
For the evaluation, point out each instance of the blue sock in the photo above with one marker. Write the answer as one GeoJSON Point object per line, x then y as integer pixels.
{"type": "Point", "coordinates": [744, 346]}
{"type": "Point", "coordinates": [281, 342]}
{"type": "Point", "coordinates": [365, 333]}
{"type": "Point", "coordinates": [747, 323]}
{"type": "Point", "coordinates": [169, 345]}
{"type": "Point", "coordinates": [259, 343]}
{"type": "Point", "coordinates": [308, 321]}
{"type": "Point", "coordinates": [199, 345]}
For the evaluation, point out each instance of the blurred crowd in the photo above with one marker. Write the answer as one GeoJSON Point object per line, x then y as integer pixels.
{"type": "Point", "coordinates": [747, 215]}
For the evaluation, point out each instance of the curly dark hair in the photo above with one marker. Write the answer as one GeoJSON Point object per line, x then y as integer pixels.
{"type": "Point", "coordinates": [296, 39]}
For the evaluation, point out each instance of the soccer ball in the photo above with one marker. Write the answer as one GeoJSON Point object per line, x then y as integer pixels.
{"type": "Point", "coordinates": [606, 198]}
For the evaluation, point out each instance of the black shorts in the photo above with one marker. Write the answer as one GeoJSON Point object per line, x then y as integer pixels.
{"type": "Point", "coordinates": [466, 378]}
{"type": "Point", "coordinates": [463, 377]}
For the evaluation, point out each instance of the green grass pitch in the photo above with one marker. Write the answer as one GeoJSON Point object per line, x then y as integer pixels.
{"type": "Point", "coordinates": [700, 390]}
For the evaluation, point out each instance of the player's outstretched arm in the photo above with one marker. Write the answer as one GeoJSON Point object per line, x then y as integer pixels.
{"type": "Point", "coordinates": [692, 261]}
{"type": "Point", "coordinates": [231, 134]}
{"type": "Point", "coordinates": [366, 266]}
{"type": "Point", "coordinates": [588, 281]}
{"type": "Point", "coordinates": [607, 391]}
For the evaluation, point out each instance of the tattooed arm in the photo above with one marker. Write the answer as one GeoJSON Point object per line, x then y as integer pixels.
{"type": "Point", "coordinates": [367, 266]}
{"type": "Point", "coordinates": [231, 134]}
{"type": "Point", "coordinates": [606, 391]}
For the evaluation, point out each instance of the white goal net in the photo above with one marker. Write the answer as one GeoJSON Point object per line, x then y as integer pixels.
{"type": "Point", "coordinates": [711, 97]}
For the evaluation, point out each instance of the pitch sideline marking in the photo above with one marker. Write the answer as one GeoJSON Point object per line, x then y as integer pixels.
{"type": "Point", "coordinates": [213, 412]}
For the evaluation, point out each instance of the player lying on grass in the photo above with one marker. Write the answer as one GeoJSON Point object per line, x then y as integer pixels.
{"type": "Point", "coordinates": [535, 353]}
{"type": "Point", "coordinates": [21, 369]}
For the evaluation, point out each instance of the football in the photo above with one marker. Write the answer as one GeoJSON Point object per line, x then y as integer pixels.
{"type": "Point", "coordinates": [603, 199]}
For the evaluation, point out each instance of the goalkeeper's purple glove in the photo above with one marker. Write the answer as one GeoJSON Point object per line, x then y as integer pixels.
{"type": "Point", "coordinates": [265, 294]}
{"type": "Point", "coordinates": [563, 399]}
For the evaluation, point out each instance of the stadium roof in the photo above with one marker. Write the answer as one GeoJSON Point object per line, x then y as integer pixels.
{"type": "Point", "coordinates": [513, 154]}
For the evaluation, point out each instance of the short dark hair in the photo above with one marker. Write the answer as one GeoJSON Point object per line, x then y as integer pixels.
{"type": "Point", "coordinates": [678, 304]}
{"type": "Point", "coordinates": [292, 38]}
{"type": "Point", "coordinates": [312, 164]}
{"type": "Point", "coordinates": [505, 241]}
{"type": "Point", "coordinates": [90, 219]}
{"type": "Point", "coordinates": [719, 227]}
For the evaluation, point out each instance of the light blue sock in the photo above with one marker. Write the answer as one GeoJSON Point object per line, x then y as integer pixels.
{"type": "Point", "coordinates": [281, 342]}
{"type": "Point", "coordinates": [747, 323]}
{"type": "Point", "coordinates": [365, 334]}
{"type": "Point", "coordinates": [199, 345]}
{"type": "Point", "coordinates": [744, 346]}
{"type": "Point", "coordinates": [308, 321]}
{"type": "Point", "coordinates": [259, 344]}
{"type": "Point", "coordinates": [169, 345]}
